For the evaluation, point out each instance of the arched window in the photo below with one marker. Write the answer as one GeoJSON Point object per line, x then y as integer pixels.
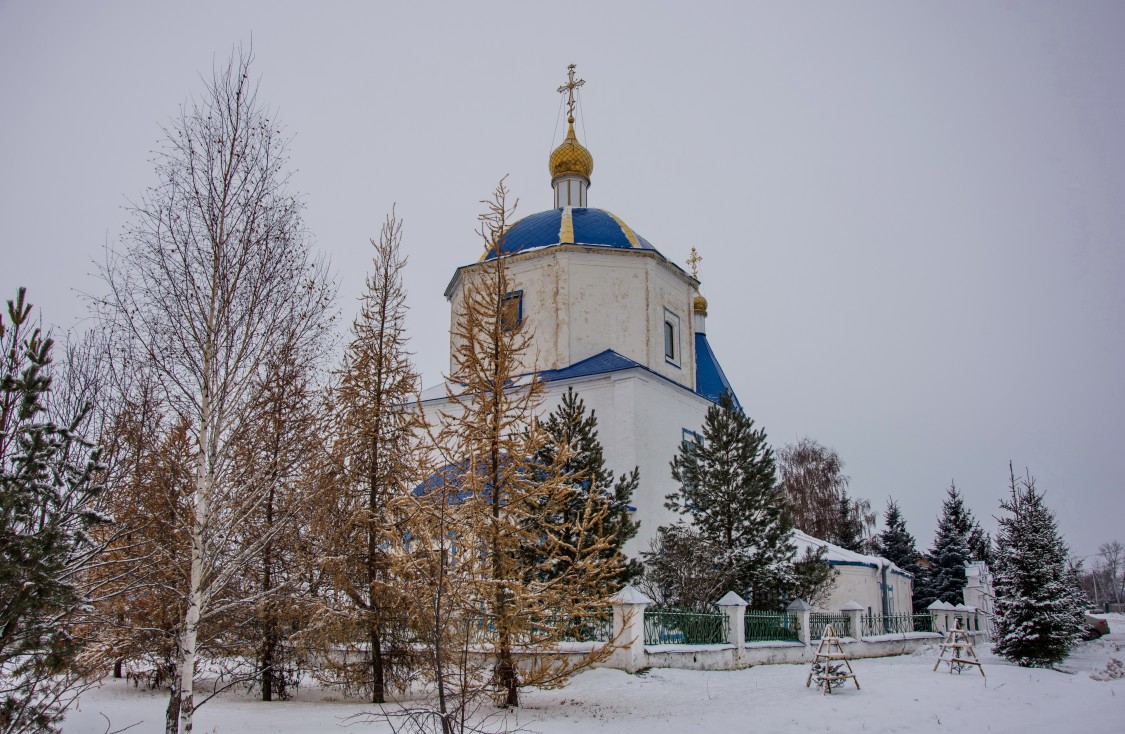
{"type": "Point", "coordinates": [672, 338]}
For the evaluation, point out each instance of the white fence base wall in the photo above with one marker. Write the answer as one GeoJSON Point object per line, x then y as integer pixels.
{"type": "Point", "coordinates": [633, 654]}
{"type": "Point", "coordinates": [728, 657]}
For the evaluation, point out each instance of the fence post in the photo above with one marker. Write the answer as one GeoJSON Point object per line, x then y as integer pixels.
{"type": "Point", "coordinates": [734, 606]}
{"type": "Point", "coordinates": [801, 608]}
{"type": "Point", "coordinates": [962, 611]}
{"type": "Point", "coordinates": [938, 616]}
{"type": "Point", "coordinates": [853, 610]}
{"type": "Point", "coordinates": [629, 607]}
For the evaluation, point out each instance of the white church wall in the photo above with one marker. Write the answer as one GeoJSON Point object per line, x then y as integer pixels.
{"type": "Point", "coordinates": [641, 419]}
{"type": "Point", "coordinates": [670, 294]}
{"type": "Point", "coordinates": [578, 302]}
{"type": "Point", "coordinates": [607, 304]}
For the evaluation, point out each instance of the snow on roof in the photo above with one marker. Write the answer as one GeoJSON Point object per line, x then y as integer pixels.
{"type": "Point", "coordinates": [841, 556]}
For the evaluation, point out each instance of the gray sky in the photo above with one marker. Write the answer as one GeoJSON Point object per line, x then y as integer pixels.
{"type": "Point", "coordinates": [911, 215]}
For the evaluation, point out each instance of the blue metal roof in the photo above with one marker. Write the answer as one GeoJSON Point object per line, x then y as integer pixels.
{"type": "Point", "coordinates": [571, 226]}
{"type": "Point", "coordinates": [607, 361]}
{"type": "Point", "coordinates": [710, 382]}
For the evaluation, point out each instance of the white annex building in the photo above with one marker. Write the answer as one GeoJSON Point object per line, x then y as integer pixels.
{"type": "Point", "coordinates": [613, 318]}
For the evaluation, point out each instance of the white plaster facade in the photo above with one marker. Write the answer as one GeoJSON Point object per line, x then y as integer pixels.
{"type": "Point", "coordinates": [579, 301]}
{"type": "Point", "coordinates": [641, 419]}
{"type": "Point", "coordinates": [861, 578]}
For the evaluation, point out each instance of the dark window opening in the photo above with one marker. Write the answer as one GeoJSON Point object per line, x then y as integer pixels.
{"type": "Point", "coordinates": [511, 313]}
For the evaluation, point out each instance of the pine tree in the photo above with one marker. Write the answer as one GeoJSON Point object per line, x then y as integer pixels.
{"type": "Point", "coordinates": [570, 430]}
{"type": "Point", "coordinates": [48, 487]}
{"type": "Point", "coordinates": [1038, 607]}
{"type": "Point", "coordinates": [944, 576]}
{"type": "Point", "coordinates": [730, 495]}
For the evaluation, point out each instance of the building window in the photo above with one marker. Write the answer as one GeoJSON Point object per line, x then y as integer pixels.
{"type": "Point", "coordinates": [690, 436]}
{"type": "Point", "coordinates": [511, 314]}
{"type": "Point", "coordinates": [671, 338]}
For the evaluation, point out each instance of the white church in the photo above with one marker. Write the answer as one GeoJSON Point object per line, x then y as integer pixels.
{"type": "Point", "coordinates": [613, 318]}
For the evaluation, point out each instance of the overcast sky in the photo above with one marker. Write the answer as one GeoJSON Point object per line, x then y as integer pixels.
{"type": "Point", "coordinates": [911, 216]}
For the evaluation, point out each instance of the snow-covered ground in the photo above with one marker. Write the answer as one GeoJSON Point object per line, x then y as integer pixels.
{"type": "Point", "coordinates": [898, 694]}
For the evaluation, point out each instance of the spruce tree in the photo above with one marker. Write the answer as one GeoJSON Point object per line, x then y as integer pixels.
{"type": "Point", "coordinates": [944, 577]}
{"type": "Point", "coordinates": [980, 545]}
{"type": "Point", "coordinates": [729, 493]}
{"type": "Point", "coordinates": [895, 543]}
{"type": "Point", "coordinates": [1038, 608]}
{"type": "Point", "coordinates": [848, 528]}
{"type": "Point", "coordinates": [573, 432]}
{"type": "Point", "coordinates": [48, 487]}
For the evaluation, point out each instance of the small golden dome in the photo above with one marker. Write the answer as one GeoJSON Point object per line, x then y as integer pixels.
{"type": "Point", "coordinates": [571, 158]}
{"type": "Point", "coordinates": [700, 304]}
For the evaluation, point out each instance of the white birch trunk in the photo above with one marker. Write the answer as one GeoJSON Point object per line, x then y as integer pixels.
{"type": "Point", "coordinates": [195, 584]}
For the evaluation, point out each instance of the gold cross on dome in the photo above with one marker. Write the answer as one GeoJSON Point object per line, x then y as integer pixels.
{"type": "Point", "coordinates": [693, 262]}
{"type": "Point", "coordinates": [569, 88]}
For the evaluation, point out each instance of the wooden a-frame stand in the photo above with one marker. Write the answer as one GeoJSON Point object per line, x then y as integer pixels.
{"type": "Point", "coordinates": [961, 652]}
{"type": "Point", "coordinates": [830, 666]}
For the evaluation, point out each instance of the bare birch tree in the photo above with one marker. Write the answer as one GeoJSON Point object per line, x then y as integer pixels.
{"type": "Point", "coordinates": [214, 276]}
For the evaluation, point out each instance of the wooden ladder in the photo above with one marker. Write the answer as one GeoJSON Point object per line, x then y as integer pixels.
{"type": "Point", "coordinates": [961, 652]}
{"type": "Point", "coordinates": [830, 664]}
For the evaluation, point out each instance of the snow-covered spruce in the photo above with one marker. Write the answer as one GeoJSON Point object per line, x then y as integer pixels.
{"type": "Point", "coordinates": [1038, 605]}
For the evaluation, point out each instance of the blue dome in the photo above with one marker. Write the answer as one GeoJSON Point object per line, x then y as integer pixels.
{"type": "Point", "coordinates": [570, 226]}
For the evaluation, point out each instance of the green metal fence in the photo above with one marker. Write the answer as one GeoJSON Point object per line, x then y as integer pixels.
{"type": "Point", "coordinates": [893, 624]}
{"type": "Point", "coordinates": [684, 627]}
{"type": "Point", "coordinates": [573, 629]}
{"type": "Point", "coordinates": [770, 626]}
{"type": "Point", "coordinates": [923, 622]}
{"type": "Point", "coordinates": [819, 620]}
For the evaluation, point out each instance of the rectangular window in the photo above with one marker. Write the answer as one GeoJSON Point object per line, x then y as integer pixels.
{"type": "Point", "coordinates": [690, 436]}
{"type": "Point", "coordinates": [511, 314]}
{"type": "Point", "coordinates": [671, 338]}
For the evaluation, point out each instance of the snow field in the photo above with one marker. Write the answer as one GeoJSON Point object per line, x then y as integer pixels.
{"type": "Point", "coordinates": [898, 694]}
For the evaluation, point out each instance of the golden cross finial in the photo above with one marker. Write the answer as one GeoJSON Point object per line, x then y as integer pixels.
{"type": "Point", "coordinates": [569, 88]}
{"type": "Point", "coordinates": [693, 262]}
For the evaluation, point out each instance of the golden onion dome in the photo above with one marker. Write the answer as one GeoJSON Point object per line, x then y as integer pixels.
{"type": "Point", "coordinates": [571, 157]}
{"type": "Point", "coordinates": [699, 305]}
